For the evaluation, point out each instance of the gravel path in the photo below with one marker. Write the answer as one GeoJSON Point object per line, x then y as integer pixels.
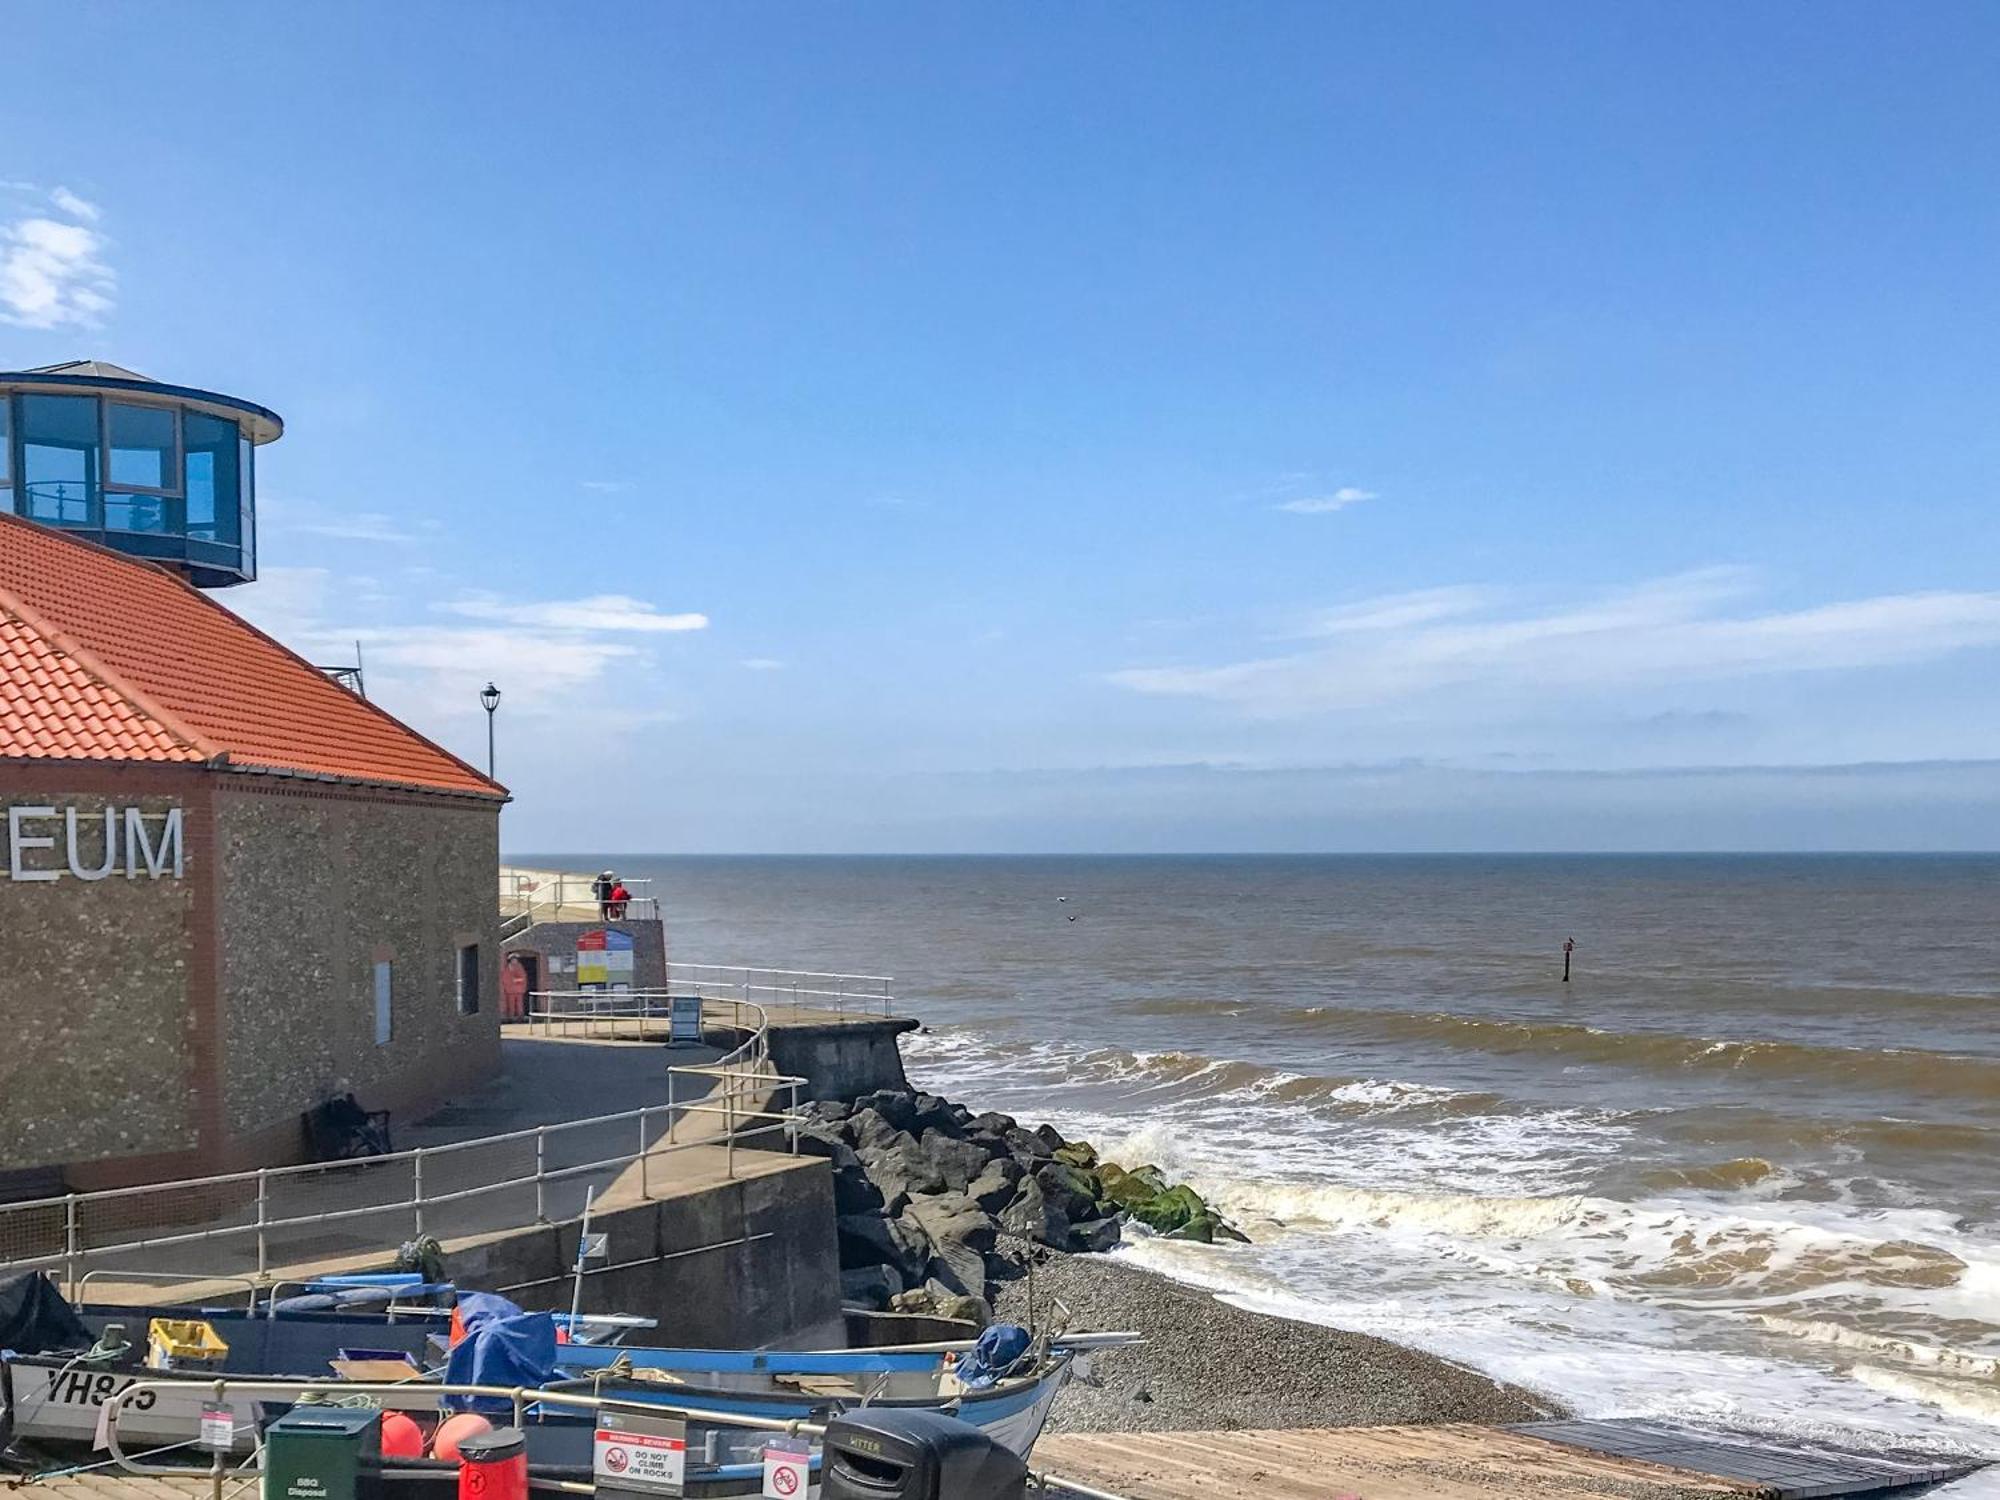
{"type": "Point", "coordinates": [1207, 1365]}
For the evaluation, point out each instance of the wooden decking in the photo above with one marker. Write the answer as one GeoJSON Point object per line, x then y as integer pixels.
{"type": "Point", "coordinates": [1459, 1461]}
{"type": "Point", "coordinates": [109, 1484]}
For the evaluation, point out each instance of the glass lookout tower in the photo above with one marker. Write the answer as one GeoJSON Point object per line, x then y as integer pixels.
{"type": "Point", "coordinates": [160, 472]}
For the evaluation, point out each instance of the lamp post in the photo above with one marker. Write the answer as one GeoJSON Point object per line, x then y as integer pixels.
{"type": "Point", "coordinates": [489, 699]}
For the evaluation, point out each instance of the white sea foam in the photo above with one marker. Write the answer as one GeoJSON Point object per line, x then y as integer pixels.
{"type": "Point", "coordinates": [1417, 1213]}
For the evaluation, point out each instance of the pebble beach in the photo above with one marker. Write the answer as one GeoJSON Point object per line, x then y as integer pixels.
{"type": "Point", "coordinates": [1207, 1365]}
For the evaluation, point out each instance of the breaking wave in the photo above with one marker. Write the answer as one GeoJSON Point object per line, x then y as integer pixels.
{"type": "Point", "coordinates": [1925, 1072]}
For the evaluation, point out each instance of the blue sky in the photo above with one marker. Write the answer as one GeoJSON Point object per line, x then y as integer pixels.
{"type": "Point", "coordinates": [1044, 427]}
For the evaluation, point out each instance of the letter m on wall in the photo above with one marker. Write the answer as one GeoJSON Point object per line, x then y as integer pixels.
{"type": "Point", "coordinates": [160, 859]}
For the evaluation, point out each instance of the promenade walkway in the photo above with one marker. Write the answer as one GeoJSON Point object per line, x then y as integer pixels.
{"type": "Point", "coordinates": [545, 1081]}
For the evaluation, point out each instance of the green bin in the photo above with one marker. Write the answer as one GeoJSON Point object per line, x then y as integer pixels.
{"type": "Point", "coordinates": [324, 1453]}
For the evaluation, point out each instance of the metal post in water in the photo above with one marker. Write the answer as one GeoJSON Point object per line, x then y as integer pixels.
{"type": "Point", "coordinates": [1569, 947]}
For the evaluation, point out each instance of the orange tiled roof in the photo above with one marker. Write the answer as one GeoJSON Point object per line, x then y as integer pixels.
{"type": "Point", "coordinates": [106, 658]}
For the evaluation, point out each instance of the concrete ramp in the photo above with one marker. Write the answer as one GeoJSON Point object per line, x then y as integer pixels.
{"type": "Point", "coordinates": [1783, 1471]}
{"type": "Point", "coordinates": [1461, 1461]}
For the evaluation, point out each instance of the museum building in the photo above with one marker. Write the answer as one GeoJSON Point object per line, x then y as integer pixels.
{"type": "Point", "coordinates": [228, 882]}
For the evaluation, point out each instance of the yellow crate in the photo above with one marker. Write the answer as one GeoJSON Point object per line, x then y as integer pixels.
{"type": "Point", "coordinates": [183, 1343]}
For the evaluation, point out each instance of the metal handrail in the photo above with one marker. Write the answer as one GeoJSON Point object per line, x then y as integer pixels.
{"type": "Point", "coordinates": [520, 1397]}
{"type": "Point", "coordinates": [742, 1075]}
{"type": "Point", "coordinates": [806, 989]}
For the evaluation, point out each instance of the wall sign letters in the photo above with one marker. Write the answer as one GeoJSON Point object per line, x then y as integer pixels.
{"type": "Point", "coordinates": [49, 843]}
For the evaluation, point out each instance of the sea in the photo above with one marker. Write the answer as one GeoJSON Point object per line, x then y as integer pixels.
{"type": "Point", "coordinates": [1742, 1168]}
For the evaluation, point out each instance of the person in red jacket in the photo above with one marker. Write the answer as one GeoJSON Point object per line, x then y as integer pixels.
{"type": "Point", "coordinates": [617, 902]}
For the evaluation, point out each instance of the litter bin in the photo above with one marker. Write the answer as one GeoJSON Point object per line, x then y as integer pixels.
{"type": "Point", "coordinates": [493, 1465]}
{"type": "Point", "coordinates": [881, 1453]}
{"type": "Point", "coordinates": [324, 1453]}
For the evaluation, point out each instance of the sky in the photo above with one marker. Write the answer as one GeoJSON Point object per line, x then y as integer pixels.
{"type": "Point", "coordinates": [1109, 427]}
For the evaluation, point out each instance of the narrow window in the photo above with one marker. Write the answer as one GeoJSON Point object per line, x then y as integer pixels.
{"type": "Point", "coordinates": [382, 1008]}
{"type": "Point", "coordinates": [468, 980]}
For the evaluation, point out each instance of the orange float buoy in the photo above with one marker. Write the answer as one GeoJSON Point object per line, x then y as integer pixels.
{"type": "Point", "coordinates": [456, 1430]}
{"type": "Point", "coordinates": [401, 1437]}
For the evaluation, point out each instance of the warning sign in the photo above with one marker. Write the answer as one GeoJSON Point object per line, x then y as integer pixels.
{"type": "Point", "coordinates": [639, 1461]}
{"type": "Point", "coordinates": [786, 1473]}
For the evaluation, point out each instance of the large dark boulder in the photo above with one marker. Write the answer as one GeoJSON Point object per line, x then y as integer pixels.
{"type": "Point", "coordinates": [1074, 1192]}
{"type": "Point", "coordinates": [1032, 1217]}
{"type": "Point", "coordinates": [937, 1300]}
{"type": "Point", "coordinates": [872, 1287]}
{"type": "Point", "coordinates": [1094, 1235]}
{"type": "Point", "coordinates": [1127, 1189]}
{"type": "Point", "coordinates": [896, 1106]}
{"type": "Point", "coordinates": [990, 1123]}
{"type": "Point", "coordinates": [960, 1234]}
{"type": "Point", "coordinates": [870, 1129]}
{"type": "Point", "coordinates": [853, 1193]}
{"type": "Point", "coordinates": [867, 1240]}
{"type": "Point", "coordinates": [1050, 1137]}
{"type": "Point", "coordinates": [826, 1111]}
{"type": "Point", "coordinates": [901, 1168]}
{"type": "Point", "coordinates": [993, 1188]}
{"type": "Point", "coordinates": [933, 1113]}
{"type": "Point", "coordinates": [1172, 1210]}
{"type": "Point", "coordinates": [958, 1161]}
{"type": "Point", "coordinates": [819, 1138]}
{"type": "Point", "coordinates": [1079, 1154]}
{"type": "Point", "coordinates": [1026, 1146]}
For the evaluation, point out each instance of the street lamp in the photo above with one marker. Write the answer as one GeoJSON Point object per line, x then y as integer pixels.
{"type": "Point", "coordinates": [489, 699]}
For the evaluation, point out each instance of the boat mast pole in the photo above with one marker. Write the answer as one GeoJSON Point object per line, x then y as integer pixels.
{"type": "Point", "coordinates": [582, 1244]}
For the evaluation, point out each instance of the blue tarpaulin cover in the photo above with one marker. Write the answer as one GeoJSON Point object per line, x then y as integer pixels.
{"type": "Point", "coordinates": [502, 1346]}
{"type": "Point", "coordinates": [999, 1349]}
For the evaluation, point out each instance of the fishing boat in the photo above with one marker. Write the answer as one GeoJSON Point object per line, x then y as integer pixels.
{"type": "Point", "coordinates": [53, 1401]}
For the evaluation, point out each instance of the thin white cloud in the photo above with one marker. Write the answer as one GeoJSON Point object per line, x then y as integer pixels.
{"type": "Point", "coordinates": [607, 486]}
{"type": "Point", "coordinates": [761, 664]}
{"type": "Point", "coordinates": [75, 207]}
{"type": "Point", "coordinates": [52, 273]}
{"type": "Point", "coordinates": [1686, 627]}
{"type": "Point", "coordinates": [1397, 611]}
{"type": "Point", "coordinates": [1320, 505]}
{"type": "Point", "coordinates": [424, 668]}
{"type": "Point", "coordinates": [602, 612]}
{"type": "Point", "coordinates": [287, 517]}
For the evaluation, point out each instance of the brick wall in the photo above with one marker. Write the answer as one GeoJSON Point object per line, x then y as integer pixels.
{"type": "Point", "coordinates": [316, 887]}
{"type": "Point", "coordinates": [100, 979]}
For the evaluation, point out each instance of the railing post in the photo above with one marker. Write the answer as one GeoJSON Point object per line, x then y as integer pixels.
{"type": "Point", "coordinates": [728, 1129]}
{"type": "Point", "coordinates": [541, 1162]}
{"type": "Point", "coordinates": [644, 1190]}
{"type": "Point", "coordinates": [72, 1258]}
{"type": "Point", "coordinates": [670, 1106]}
{"type": "Point", "coordinates": [417, 1186]}
{"type": "Point", "coordinates": [792, 1115]}
{"type": "Point", "coordinates": [263, 1215]}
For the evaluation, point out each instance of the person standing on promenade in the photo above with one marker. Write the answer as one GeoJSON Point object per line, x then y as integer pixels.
{"type": "Point", "coordinates": [600, 888]}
